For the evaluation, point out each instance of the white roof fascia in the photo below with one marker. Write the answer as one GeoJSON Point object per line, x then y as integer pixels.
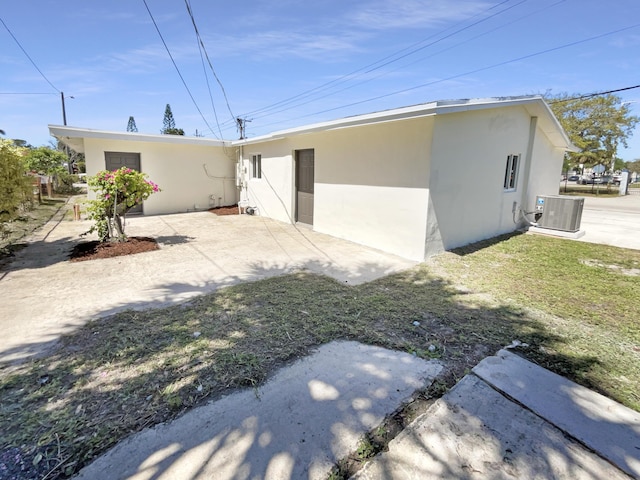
{"type": "Point", "coordinates": [66, 132]}
{"type": "Point", "coordinates": [534, 104]}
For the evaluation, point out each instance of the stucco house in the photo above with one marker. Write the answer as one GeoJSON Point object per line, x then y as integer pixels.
{"type": "Point", "coordinates": [412, 181]}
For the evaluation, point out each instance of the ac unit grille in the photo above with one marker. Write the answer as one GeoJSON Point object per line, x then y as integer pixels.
{"type": "Point", "coordinates": [560, 213]}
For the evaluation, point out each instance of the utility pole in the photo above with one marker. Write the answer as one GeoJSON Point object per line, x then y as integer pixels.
{"type": "Point", "coordinates": [242, 125]}
{"type": "Point", "coordinates": [64, 111]}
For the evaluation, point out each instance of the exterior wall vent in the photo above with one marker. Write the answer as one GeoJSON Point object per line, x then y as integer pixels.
{"type": "Point", "coordinates": [559, 213]}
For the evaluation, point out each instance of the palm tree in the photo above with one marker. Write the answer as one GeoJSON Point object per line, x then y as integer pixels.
{"type": "Point", "coordinates": [2, 132]}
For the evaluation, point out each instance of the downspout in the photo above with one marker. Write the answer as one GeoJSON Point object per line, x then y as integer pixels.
{"type": "Point", "coordinates": [240, 174]}
{"type": "Point", "coordinates": [524, 199]}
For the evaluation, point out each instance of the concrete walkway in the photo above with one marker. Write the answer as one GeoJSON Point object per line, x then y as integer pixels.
{"type": "Point", "coordinates": [513, 419]}
{"type": "Point", "coordinates": [508, 419]}
{"type": "Point", "coordinates": [44, 295]}
{"type": "Point", "coordinates": [296, 426]}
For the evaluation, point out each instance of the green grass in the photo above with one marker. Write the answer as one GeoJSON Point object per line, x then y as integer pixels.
{"type": "Point", "coordinates": [26, 222]}
{"type": "Point", "coordinates": [575, 304]}
{"type": "Point", "coordinates": [589, 296]}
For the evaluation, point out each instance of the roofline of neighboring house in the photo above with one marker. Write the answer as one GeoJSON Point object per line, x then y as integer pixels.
{"type": "Point", "coordinates": [74, 137]}
{"type": "Point", "coordinates": [534, 104]}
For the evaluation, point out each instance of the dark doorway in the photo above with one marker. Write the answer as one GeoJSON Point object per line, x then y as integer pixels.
{"type": "Point", "coordinates": [304, 186]}
{"type": "Point", "coordinates": [116, 160]}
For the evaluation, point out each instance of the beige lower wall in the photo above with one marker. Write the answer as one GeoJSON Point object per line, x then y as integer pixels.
{"type": "Point", "coordinates": [190, 177]}
{"type": "Point", "coordinates": [370, 183]}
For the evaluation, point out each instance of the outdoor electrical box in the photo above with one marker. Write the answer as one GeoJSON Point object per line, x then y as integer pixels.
{"type": "Point", "coordinates": [559, 213]}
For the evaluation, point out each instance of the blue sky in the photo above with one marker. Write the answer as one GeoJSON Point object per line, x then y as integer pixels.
{"type": "Point", "coordinates": [287, 63]}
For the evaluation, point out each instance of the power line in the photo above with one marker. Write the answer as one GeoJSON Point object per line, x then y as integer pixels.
{"type": "Point", "coordinates": [389, 59]}
{"type": "Point", "coordinates": [202, 49]}
{"type": "Point", "coordinates": [429, 56]}
{"type": "Point", "coordinates": [224, 93]}
{"type": "Point", "coordinates": [27, 55]}
{"type": "Point", "coordinates": [590, 95]}
{"type": "Point", "coordinates": [470, 72]}
{"type": "Point", "coordinates": [175, 65]}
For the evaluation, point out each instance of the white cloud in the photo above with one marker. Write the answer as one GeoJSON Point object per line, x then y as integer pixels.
{"type": "Point", "coordinates": [287, 44]}
{"type": "Point", "coordinates": [392, 14]}
{"type": "Point", "coordinates": [626, 41]}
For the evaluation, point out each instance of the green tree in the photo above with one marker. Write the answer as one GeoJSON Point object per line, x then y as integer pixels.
{"type": "Point", "coordinates": [596, 125]}
{"type": "Point", "coordinates": [46, 161]}
{"type": "Point", "coordinates": [117, 192]}
{"type": "Point", "coordinates": [169, 124]}
{"type": "Point", "coordinates": [633, 166]}
{"type": "Point", "coordinates": [131, 126]}
{"type": "Point", "coordinates": [15, 185]}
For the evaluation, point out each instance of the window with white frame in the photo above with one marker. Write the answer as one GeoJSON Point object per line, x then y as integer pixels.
{"type": "Point", "coordinates": [256, 166]}
{"type": "Point", "coordinates": [511, 172]}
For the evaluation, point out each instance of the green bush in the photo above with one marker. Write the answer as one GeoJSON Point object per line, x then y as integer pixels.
{"type": "Point", "coordinates": [15, 186]}
{"type": "Point", "coordinates": [117, 192]}
{"type": "Point", "coordinates": [63, 183]}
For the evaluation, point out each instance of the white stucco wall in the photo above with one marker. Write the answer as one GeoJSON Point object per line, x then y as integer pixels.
{"type": "Point", "coordinates": [370, 183]}
{"type": "Point", "coordinates": [272, 194]}
{"type": "Point", "coordinates": [178, 169]}
{"type": "Point", "coordinates": [469, 155]}
{"type": "Point", "coordinates": [545, 171]}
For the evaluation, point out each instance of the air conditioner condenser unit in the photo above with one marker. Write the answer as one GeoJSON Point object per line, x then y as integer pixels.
{"type": "Point", "coordinates": [559, 213]}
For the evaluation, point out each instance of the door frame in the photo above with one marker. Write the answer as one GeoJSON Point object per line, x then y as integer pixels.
{"type": "Point", "coordinates": [296, 165]}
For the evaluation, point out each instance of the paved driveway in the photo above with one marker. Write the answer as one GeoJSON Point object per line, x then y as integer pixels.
{"type": "Point", "coordinates": [612, 221]}
{"type": "Point", "coordinates": [44, 295]}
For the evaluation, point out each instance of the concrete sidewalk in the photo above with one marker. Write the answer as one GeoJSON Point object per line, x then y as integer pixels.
{"type": "Point", "coordinates": [513, 419]}
{"type": "Point", "coordinates": [509, 418]}
{"type": "Point", "coordinates": [296, 426]}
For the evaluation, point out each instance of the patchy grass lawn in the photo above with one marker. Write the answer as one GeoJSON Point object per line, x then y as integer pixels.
{"type": "Point", "coordinates": [591, 297]}
{"type": "Point", "coordinates": [25, 223]}
{"type": "Point", "coordinates": [575, 304]}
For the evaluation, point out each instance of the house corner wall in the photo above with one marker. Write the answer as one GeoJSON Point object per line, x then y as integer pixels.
{"type": "Point", "coordinates": [469, 155]}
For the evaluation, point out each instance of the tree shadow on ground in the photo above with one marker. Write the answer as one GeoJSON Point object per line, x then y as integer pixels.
{"type": "Point", "coordinates": [134, 369]}
{"type": "Point", "coordinates": [475, 431]}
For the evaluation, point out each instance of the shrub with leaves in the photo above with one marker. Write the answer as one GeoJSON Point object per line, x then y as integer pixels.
{"type": "Point", "coordinates": [15, 185]}
{"type": "Point", "coordinates": [117, 193]}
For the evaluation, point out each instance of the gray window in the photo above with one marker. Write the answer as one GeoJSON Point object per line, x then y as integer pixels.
{"type": "Point", "coordinates": [256, 166]}
{"type": "Point", "coordinates": [511, 172]}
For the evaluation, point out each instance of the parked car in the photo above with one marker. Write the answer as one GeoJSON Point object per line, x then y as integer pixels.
{"type": "Point", "coordinates": [574, 178]}
{"type": "Point", "coordinates": [585, 180]}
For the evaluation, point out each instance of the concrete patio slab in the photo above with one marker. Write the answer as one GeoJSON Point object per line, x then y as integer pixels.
{"type": "Point", "coordinates": [598, 422]}
{"type": "Point", "coordinates": [296, 426]}
{"type": "Point", "coordinates": [480, 431]}
{"type": "Point", "coordinates": [45, 295]}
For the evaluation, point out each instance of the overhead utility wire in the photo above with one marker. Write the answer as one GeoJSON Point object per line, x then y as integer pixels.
{"type": "Point", "coordinates": [423, 58]}
{"type": "Point", "coordinates": [470, 72]}
{"type": "Point", "coordinates": [590, 95]}
{"type": "Point", "coordinates": [384, 61]}
{"type": "Point", "coordinates": [203, 49]}
{"type": "Point", "coordinates": [27, 55]}
{"type": "Point", "coordinates": [175, 65]}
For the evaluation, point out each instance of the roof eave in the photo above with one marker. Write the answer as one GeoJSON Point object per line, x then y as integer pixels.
{"type": "Point", "coordinates": [75, 136]}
